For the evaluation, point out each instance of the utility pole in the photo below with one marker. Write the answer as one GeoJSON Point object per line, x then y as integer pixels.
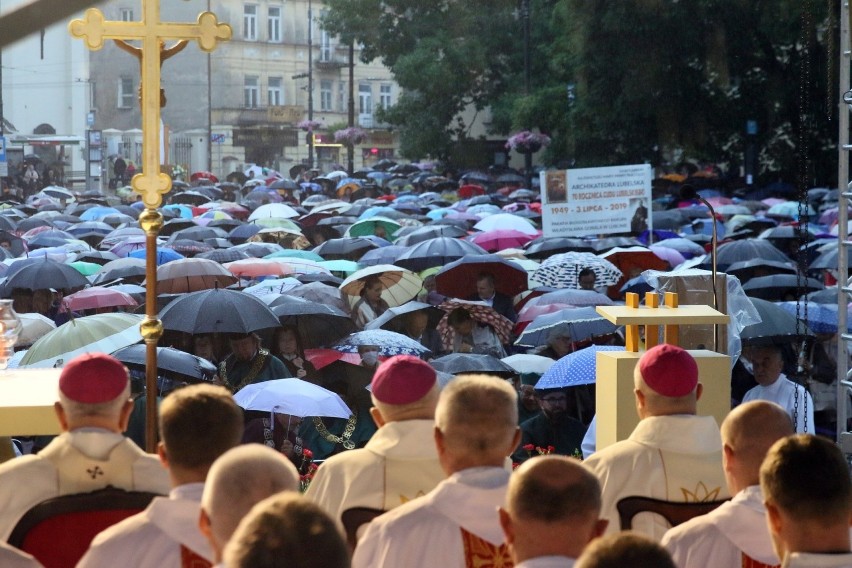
{"type": "Point", "coordinates": [209, 108]}
{"type": "Point", "coordinates": [350, 148]}
{"type": "Point", "coordinates": [310, 84]}
{"type": "Point", "coordinates": [525, 16]}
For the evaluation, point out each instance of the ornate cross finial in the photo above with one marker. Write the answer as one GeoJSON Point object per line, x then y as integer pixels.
{"type": "Point", "coordinates": [94, 29]}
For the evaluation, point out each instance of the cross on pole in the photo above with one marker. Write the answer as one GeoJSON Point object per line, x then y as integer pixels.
{"type": "Point", "coordinates": [151, 184]}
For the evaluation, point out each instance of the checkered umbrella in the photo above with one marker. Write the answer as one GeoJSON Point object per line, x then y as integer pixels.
{"type": "Point", "coordinates": [561, 270]}
{"type": "Point", "coordinates": [480, 312]}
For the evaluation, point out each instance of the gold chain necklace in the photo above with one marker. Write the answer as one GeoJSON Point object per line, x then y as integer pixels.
{"type": "Point", "coordinates": [254, 371]}
{"type": "Point", "coordinates": [343, 438]}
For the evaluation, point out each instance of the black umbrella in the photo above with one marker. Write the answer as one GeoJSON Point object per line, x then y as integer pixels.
{"type": "Point", "coordinates": [317, 324]}
{"type": "Point", "coordinates": [217, 310]}
{"type": "Point", "coordinates": [458, 363]}
{"type": "Point", "coordinates": [16, 244]}
{"type": "Point", "coordinates": [736, 251]}
{"type": "Point", "coordinates": [171, 363]}
{"type": "Point", "coordinates": [32, 223]}
{"type": "Point", "coordinates": [89, 227]}
{"type": "Point", "coordinates": [188, 246]}
{"type": "Point", "coordinates": [608, 243]}
{"type": "Point", "coordinates": [172, 226]}
{"type": "Point", "coordinates": [128, 269]}
{"type": "Point", "coordinates": [7, 224]}
{"type": "Point", "coordinates": [244, 232]}
{"type": "Point", "coordinates": [97, 257]}
{"type": "Point", "coordinates": [421, 234]}
{"type": "Point", "coordinates": [46, 274]}
{"type": "Point", "coordinates": [747, 269]}
{"type": "Point", "coordinates": [436, 252]}
{"type": "Point", "coordinates": [779, 287]}
{"type": "Point", "coordinates": [283, 184]}
{"type": "Point", "coordinates": [381, 255]}
{"type": "Point", "coordinates": [258, 250]}
{"type": "Point", "coordinates": [198, 234]}
{"type": "Point", "coordinates": [225, 224]}
{"type": "Point", "coordinates": [776, 326]}
{"type": "Point", "coordinates": [336, 249]}
{"type": "Point", "coordinates": [219, 243]}
{"type": "Point", "coordinates": [321, 277]}
{"type": "Point", "coordinates": [545, 247]}
{"type": "Point", "coordinates": [190, 198]}
{"type": "Point", "coordinates": [224, 255]}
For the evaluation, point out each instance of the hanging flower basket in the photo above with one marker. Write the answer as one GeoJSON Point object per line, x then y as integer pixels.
{"type": "Point", "coordinates": [309, 125]}
{"type": "Point", "coordinates": [527, 142]}
{"type": "Point", "coordinates": [350, 136]}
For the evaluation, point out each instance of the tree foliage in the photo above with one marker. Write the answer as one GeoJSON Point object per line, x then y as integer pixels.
{"type": "Point", "coordinates": [656, 81]}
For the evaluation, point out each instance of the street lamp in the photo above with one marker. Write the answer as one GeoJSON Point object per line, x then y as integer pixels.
{"type": "Point", "coordinates": [525, 17]}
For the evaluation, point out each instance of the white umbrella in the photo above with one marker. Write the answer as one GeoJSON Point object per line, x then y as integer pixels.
{"type": "Point", "coordinates": [529, 363]}
{"type": "Point", "coordinates": [292, 396]}
{"type": "Point", "coordinates": [101, 333]}
{"type": "Point", "coordinates": [34, 326]}
{"type": "Point", "coordinates": [274, 211]}
{"type": "Point", "coordinates": [506, 221]}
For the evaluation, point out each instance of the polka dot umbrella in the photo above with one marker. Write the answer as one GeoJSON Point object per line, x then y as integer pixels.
{"type": "Point", "coordinates": [574, 369]}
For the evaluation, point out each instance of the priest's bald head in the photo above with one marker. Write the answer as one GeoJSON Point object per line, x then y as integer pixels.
{"type": "Point", "coordinates": [476, 423]}
{"type": "Point", "coordinates": [238, 480]}
{"type": "Point", "coordinates": [666, 382]}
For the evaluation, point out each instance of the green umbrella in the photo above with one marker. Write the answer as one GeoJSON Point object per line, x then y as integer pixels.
{"type": "Point", "coordinates": [86, 268]}
{"type": "Point", "coordinates": [101, 333]}
{"type": "Point", "coordinates": [344, 267]}
{"type": "Point", "coordinates": [367, 227]}
{"type": "Point", "coordinates": [273, 223]}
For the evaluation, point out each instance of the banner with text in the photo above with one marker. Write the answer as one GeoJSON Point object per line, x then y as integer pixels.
{"type": "Point", "coordinates": [596, 201]}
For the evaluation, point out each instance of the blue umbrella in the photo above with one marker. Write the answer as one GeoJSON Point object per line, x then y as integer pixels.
{"type": "Point", "coordinates": [575, 369]}
{"type": "Point", "coordinates": [821, 318]}
{"type": "Point", "coordinates": [388, 342]}
{"type": "Point", "coordinates": [98, 213]}
{"type": "Point", "coordinates": [164, 255]}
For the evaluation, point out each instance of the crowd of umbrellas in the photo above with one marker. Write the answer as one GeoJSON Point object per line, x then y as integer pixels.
{"type": "Point", "coordinates": [240, 258]}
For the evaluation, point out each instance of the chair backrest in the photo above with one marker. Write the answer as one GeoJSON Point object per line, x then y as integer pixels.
{"type": "Point", "coordinates": [353, 519]}
{"type": "Point", "coordinates": [58, 531]}
{"type": "Point", "coordinates": [673, 512]}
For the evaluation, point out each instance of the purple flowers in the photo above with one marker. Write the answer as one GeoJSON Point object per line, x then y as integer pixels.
{"type": "Point", "coordinates": [526, 141]}
{"type": "Point", "coordinates": [309, 125]}
{"type": "Point", "coordinates": [352, 135]}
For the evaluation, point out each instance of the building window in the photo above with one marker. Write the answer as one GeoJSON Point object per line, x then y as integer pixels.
{"type": "Point", "coordinates": [251, 92]}
{"type": "Point", "coordinates": [325, 95]}
{"type": "Point", "coordinates": [385, 96]}
{"type": "Point", "coordinates": [275, 91]}
{"type": "Point", "coordinates": [274, 24]}
{"type": "Point", "coordinates": [325, 46]}
{"type": "Point", "coordinates": [365, 98]}
{"type": "Point", "coordinates": [250, 22]}
{"type": "Point", "coordinates": [342, 100]}
{"type": "Point", "coordinates": [126, 92]}
{"type": "Point", "coordinates": [126, 14]}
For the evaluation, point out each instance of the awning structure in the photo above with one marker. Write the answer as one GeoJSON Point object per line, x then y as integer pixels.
{"type": "Point", "coordinates": [45, 140]}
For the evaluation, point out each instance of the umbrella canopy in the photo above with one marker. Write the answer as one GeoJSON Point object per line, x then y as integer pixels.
{"type": "Point", "coordinates": [780, 286]}
{"type": "Point", "coordinates": [480, 312]}
{"type": "Point", "coordinates": [122, 268]}
{"type": "Point", "coordinates": [33, 326]}
{"type": "Point", "coordinates": [344, 247]}
{"type": "Point", "coordinates": [45, 274]}
{"type": "Point", "coordinates": [776, 326]}
{"type": "Point", "coordinates": [748, 249]}
{"type": "Point", "coordinates": [437, 252]}
{"type": "Point", "coordinates": [398, 284]}
{"type": "Point", "coordinates": [632, 261]}
{"type": "Point", "coordinates": [388, 342]}
{"type": "Point", "coordinates": [274, 211]}
{"type": "Point", "coordinates": [820, 318]}
{"type": "Point", "coordinates": [320, 292]}
{"type": "Point", "coordinates": [575, 369]}
{"type": "Point", "coordinates": [572, 297]}
{"type": "Point", "coordinates": [394, 318]}
{"type": "Point", "coordinates": [458, 279]}
{"type": "Point", "coordinates": [501, 239]}
{"type": "Point", "coordinates": [256, 267]}
{"type": "Point", "coordinates": [272, 287]}
{"type": "Point", "coordinates": [747, 269]}
{"type": "Point", "coordinates": [317, 324]}
{"type": "Point", "coordinates": [427, 232]}
{"type": "Point", "coordinates": [171, 363]}
{"type": "Point", "coordinates": [460, 363]}
{"type": "Point", "coordinates": [97, 297]}
{"type": "Point", "coordinates": [578, 324]}
{"type": "Point", "coordinates": [192, 275]}
{"type": "Point", "coordinates": [163, 255]}
{"type": "Point", "coordinates": [506, 221]}
{"type": "Point", "coordinates": [292, 396]}
{"type": "Point", "coordinates": [217, 310]}
{"type": "Point", "coordinates": [380, 226]}
{"type": "Point", "coordinates": [562, 270]}
{"type": "Point", "coordinates": [101, 333]}
{"type": "Point", "coordinates": [529, 363]}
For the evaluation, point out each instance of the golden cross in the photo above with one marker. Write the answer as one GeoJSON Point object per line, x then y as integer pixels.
{"type": "Point", "coordinates": [151, 184]}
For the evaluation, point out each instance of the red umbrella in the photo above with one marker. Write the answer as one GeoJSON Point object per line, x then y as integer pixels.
{"type": "Point", "coordinates": [470, 190]}
{"type": "Point", "coordinates": [500, 239]}
{"type": "Point", "coordinates": [320, 358]}
{"type": "Point", "coordinates": [97, 297]}
{"type": "Point", "coordinates": [458, 278]}
{"type": "Point", "coordinates": [206, 176]}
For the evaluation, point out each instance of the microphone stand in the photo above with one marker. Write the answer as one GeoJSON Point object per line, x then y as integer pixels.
{"type": "Point", "coordinates": [714, 242]}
